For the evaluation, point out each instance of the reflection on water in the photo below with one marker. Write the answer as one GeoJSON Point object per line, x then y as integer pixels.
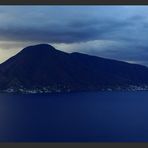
{"type": "Point", "coordinates": [93, 116]}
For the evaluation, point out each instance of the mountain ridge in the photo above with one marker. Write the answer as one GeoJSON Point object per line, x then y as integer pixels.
{"type": "Point", "coordinates": [42, 68]}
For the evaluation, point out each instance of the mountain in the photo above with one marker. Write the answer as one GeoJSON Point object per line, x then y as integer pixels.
{"type": "Point", "coordinates": [42, 68]}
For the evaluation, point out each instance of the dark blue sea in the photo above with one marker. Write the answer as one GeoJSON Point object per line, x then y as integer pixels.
{"type": "Point", "coordinates": [74, 117]}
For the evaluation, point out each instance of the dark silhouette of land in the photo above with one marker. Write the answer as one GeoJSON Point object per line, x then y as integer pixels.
{"type": "Point", "coordinates": [42, 68]}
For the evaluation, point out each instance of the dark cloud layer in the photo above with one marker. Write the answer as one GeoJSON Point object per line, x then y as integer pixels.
{"type": "Point", "coordinates": [118, 32]}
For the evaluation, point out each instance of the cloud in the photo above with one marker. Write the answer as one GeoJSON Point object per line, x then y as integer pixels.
{"type": "Point", "coordinates": [118, 32]}
{"type": "Point", "coordinates": [60, 24]}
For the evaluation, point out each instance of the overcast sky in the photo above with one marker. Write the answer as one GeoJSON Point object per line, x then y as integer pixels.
{"type": "Point", "coordinates": [117, 32]}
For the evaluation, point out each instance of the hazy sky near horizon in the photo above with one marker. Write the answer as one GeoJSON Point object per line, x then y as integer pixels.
{"type": "Point", "coordinates": [117, 32]}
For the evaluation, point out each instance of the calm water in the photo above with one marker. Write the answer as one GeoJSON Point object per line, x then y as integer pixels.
{"type": "Point", "coordinates": [75, 117]}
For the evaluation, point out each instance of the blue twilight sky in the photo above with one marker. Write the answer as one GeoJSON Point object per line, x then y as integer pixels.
{"type": "Point", "coordinates": [117, 32]}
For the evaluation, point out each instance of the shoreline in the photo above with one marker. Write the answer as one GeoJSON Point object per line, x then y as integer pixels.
{"type": "Point", "coordinates": [58, 91]}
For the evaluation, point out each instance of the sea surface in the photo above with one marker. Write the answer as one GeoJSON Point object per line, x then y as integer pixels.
{"type": "Point", "coordinates": [74, 117]}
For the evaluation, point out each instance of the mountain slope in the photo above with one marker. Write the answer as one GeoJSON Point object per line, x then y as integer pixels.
{"type": "Point", "coordinates": [42, 68]}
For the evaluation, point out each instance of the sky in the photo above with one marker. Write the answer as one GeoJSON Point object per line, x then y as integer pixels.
{"type": "Point", "coordinates": [115, 32]}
